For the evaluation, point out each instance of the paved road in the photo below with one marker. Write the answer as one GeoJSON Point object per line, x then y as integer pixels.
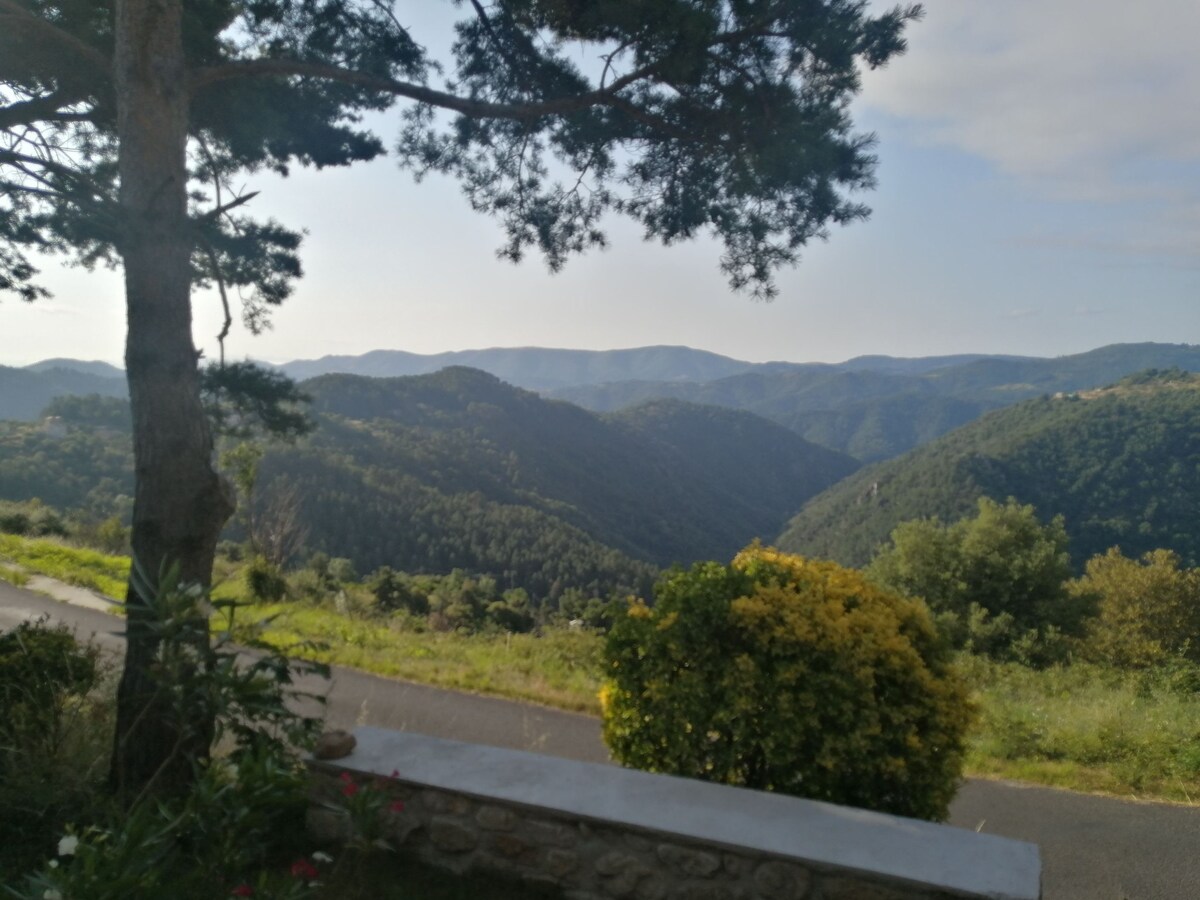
{"type": "Point", "coordinates": [1093, 848]}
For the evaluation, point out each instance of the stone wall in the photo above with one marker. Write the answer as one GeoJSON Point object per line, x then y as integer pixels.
{"type": "Point", "coordinates": [599, 832]}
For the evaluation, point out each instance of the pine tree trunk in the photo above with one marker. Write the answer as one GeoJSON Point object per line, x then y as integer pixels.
{"type": "Point", "coordinates": [180, 503]}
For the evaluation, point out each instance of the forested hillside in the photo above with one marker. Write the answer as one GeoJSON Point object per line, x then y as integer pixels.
{"type": "Point", "coordinates": [662, 485]}
{"type": "Point", "coordinates": [1121, 464]}
{"type": "Point", "coordinates": [88, 468]}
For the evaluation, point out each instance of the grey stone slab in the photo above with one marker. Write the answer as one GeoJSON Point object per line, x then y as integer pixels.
{"type": "Point", "coordinates": [819, 835]}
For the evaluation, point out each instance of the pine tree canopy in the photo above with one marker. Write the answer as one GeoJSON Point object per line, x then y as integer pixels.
{"type": "Point", "coordinates": [690, 116]}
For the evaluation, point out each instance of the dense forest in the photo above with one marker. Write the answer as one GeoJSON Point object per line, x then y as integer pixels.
{"type": "Point", "coordinates": [481, 451]}
{"type": "Point", "coordinates": [1121, 465]}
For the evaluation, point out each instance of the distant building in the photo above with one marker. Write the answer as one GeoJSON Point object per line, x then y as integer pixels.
{"type": "Point", "coordinates": [54, 427]}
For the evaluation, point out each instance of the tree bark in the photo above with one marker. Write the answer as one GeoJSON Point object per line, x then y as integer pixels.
{"type": "Point", "coordinates": [180, 503]}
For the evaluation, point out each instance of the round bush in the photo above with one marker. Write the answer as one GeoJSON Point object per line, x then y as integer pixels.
{"type": "Point", "coordinates": [792, 675]}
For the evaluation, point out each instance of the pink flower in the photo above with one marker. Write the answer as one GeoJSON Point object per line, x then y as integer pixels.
{"type": "Point", "coordinates": [349, 788]}
{"type": "Point", "coordinates": [397, 806]}
{"type": "Point", "coordinates": [302, 868]}
{"type": "Point", "coordinates": [242, 890]}
{"type": "Point", "coordinates": [395, 773]}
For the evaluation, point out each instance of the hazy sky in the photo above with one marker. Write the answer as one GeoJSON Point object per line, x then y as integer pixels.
{"type": "Point", "coordinates": [1039, 193]}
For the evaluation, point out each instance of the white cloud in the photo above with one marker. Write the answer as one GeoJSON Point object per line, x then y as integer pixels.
{"type": "Point", "coordinates": [1084, 101]}
{"type": "Point", "coordinates": [1051, 87]}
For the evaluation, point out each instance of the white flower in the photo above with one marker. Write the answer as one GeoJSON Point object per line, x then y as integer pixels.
{"type": "Point", "coordinates": [67, 845]}
{"type": "Point", "coordinates": [54, 863]}
{"type": "Point", "coordinates": [322, 857]}
{"type": "Point", "coordinates": [51, 894]}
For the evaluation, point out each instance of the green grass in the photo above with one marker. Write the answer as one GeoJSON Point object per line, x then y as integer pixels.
{"type": "Point", "coordinates": [13, 576]}
{"type": "Point", "coordinates": [1087, 728]}
{"type": "Point", "coordinates": [559, 668]}
{"type": "Point", "coordinates": [74, 565]}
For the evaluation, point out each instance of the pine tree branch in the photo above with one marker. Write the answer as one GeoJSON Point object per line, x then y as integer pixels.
{"type": "Point", "coordinates": [276, 68]}
{"type": "Point", "coordinates": [16, 15]}
{"type": "Point", "coordinates": [41, 109]}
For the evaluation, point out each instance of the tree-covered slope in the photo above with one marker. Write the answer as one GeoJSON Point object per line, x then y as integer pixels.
{"type": "Point", "coordinates": [748, 461]}
{"type": "Point", "coordinates": [1121, 464]}
{"type": "Point", "coordinates": [664, 485]}
{"type": "Point", "coordinates": [84, 468]}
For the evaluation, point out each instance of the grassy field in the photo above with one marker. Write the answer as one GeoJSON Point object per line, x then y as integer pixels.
{"type": "Point", "coordinates": [74, 565]}
{"type": "Point", "coordinates": [1081, 727]}
{"type": "Point", "coordinates": [13, 576]}
{"type": "Point", "coordinates": [559, 668]}
{"type": "Point", "coordinates": [1088, 728]}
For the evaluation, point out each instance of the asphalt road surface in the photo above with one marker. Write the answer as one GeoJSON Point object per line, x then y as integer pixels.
{"type": "Point", "coordinates": [1093, 848]}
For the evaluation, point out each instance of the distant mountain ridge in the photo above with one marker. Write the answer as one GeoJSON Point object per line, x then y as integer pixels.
{"type": "Point", "coordinates": [535, 368]}
{"type": "Point", "coordinates": [460, 470]}
{"type": "Point", "coordinates": [878, 413]}
{"type": "Point", "coordinates": [86, 367]}
{"type": "Point", "coordinates": [24, 393]}
{"type": "Point", "coordinates": [871, 407]}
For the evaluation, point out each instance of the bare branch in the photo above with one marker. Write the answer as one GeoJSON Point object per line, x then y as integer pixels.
{"type": "Point", "coordinates": [227, 324]}
{"type": "Point", "coordinates": [219, 211]}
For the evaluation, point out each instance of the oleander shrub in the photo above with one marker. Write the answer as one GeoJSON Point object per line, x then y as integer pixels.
{"type": "Point", "coordinates": [42, 669]}
{"type": "Point", "coordinates": [54, 736]}
{"type": "Point", "coordinates": [792, 675]}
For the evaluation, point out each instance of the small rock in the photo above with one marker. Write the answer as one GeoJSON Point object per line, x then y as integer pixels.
{"type": "Point", "coordinates": [688, 861]}
{"type": "Point", "coordinates": [334, 745]}
{"type": "Point", "coordinates": [496, 818]}
{"type": "Point", "coordinates": [560, 862]}
{"type": "Point", "coordinates": [451, 837]}
{"type": "Point", "coordinates": [615, 863]}
{"type": "Point", "coordinates": [780, 881]}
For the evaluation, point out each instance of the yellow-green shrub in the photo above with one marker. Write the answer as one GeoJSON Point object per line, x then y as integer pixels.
{"type": "Point", "coordinates": [1149, 609]}
{"type": "Point", "coordinates": [792, 675]}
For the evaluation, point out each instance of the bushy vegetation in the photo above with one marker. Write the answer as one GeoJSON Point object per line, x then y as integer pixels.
{"type": "Point", "coordinates": [30, 518]}
{"type": "Point", "coordinates": [1089, 727]}
{"type": "Point", "coordinates": [996, 581]}
{"type": "Point", "coordinates": [792, 675]}
{"type": "Point", "coordinates": [47, 723]}
{"type": "Point", "coordinates": [1051, 725]}
{"type": "Point", "coordinates": [1148, 609]}
{"type": "Point", "coordinates": [237, 832]}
